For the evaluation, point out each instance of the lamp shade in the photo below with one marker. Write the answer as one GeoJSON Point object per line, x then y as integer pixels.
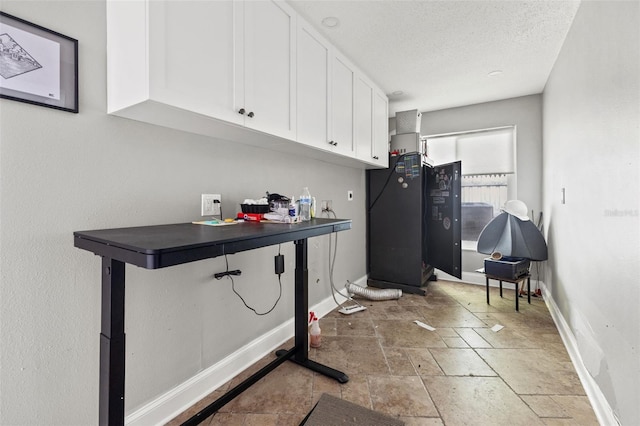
{"type": "Point", "coordinates": [512, 237]}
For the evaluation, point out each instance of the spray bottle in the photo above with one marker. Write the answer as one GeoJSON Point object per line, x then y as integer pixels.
{"type": "Point", "coordinates": [315, 338]}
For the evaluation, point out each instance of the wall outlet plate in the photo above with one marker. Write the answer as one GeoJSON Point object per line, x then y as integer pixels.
{"type": "Point", "coordinates": [350, 195]}
{"type": "Point", "coordinates": [210, 205]}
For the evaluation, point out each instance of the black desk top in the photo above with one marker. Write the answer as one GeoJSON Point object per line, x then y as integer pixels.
{"type": "Point", "coordinates": [159, 246]}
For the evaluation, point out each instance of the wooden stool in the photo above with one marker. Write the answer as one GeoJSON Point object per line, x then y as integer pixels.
{"type": "Point", "coordinates": [515, 281]}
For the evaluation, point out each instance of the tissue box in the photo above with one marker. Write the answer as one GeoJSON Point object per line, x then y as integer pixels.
{"type": "Point", "coordinates": [508, 267]}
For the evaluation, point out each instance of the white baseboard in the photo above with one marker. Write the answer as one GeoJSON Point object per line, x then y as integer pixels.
{"type": "Point", "coordinates": [167, 406]}
{"type": "Point", "coordinates": [601, 407]}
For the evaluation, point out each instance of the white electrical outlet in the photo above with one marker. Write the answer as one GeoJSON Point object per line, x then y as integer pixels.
{"type": "Point", "coordinates": [350, 195]}
{"type": "Point", "coordinates": [210, 205]}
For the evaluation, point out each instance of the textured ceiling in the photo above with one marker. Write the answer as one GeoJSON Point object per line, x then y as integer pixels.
{"type": "Point", "coordinates": [439, 53]}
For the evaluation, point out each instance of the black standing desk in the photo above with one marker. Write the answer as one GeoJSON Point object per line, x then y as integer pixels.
{"type": "Point", "coordinates": [154, 247]}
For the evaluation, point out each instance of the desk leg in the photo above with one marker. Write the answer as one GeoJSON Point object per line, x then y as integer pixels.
{"type": "Point", "coordinates": [112, 344]}
{"type": "Point", "coordinates": [487, 279]}
{"type": "Point", "coordinates": [299, 353]}
{"type": "Point", "coordinates": [301, 303]}
{"type": "Point", "coordinates": [517, 295]}
{"type": "Point", "coordinates": [301, 311]}
{"type": "Point", "coordinates": [529, 290]}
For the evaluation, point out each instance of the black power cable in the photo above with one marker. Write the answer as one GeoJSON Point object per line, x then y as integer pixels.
{"type": "Point", "coordinates": [230, 274]}
{"type": "Point", "coordinates": [391, 172]}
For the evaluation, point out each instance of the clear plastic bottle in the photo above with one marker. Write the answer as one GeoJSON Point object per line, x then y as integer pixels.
{"type": "Point", "coordinates": [305, 204]}
{"type": "Point", "coordinates": [292, 207]}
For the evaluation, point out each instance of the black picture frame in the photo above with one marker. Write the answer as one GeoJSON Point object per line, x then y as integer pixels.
{"type": "Point", "coordinates": [37, 65]}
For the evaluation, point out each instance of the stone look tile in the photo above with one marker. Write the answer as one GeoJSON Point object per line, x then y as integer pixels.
{"type": "Point", "coordinates": [328, 326]}
{"type": "Point", "coordinates": [532, 372]}
{"type": "Point", "coordinates": [472, 338]}
{"type": "Point", "coordinates": [228, 419]}
{"type": "Point", "coordinates": [401, 369]}
{"type": "Point", "coordinates": [544, 406]}
{"type": "Point", "coordinates": [290, 419]}
{"type": "Point", "coordinates": [356, 390]}
{"type": "Point", "coordinates": [578, 408]}
{"type": "Point", "coordinates": [518, 320]}
{"type": "Point", "coordinates": [507, 338]}
{"type": "Point", "coordinates": [287, 389]}
{"type": "Point", "coordinates": [261, 420]}
{"type": "Point", "coordinates": [461, 362]}
{"type": "Point", "coordinates": [478, 401]}
{"type": "Point", "coordinates": [399, 362]}
{"type": "Point", "coordinates": [323, 384]}
{"type": "Point", "coordinates": [355, 327]}
{"type": "Point", "coordinates": [422, 421]}
{"type": "Point", "coordinates": [352, 355]}
{"type": "Point", "coordinates": [398, 312]}
{"type": "Point", "coordinates": [455, 342]}
{"type": "Point", "coordinates": [451, 316]}
{"type": "Point", "coordinates": [446, 332]}
{"type": "Point", "coordinates": [423, 362]}
{"type": "Point", "coordinates": [401, 396]}
{"type": "Point", "coordinates": [406, 334]}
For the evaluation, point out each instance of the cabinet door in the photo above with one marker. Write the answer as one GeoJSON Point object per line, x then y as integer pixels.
{"type": "Point", "coordinates": [342, 106]}
{"type": "Point", "coordinates": [363, 96]}
{"type": "Point", "coordinates": [269, 67]}
{"type": "Point", "coordinates": [443, 217]}
{"type": "Point", "coordinates": [312, 88]}
{"type": "Point", "coordinates": [194, 70]}
{"type": "Point", "coordinates": [380, 147]}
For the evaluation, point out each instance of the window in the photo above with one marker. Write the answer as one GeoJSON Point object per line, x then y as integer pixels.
{"type": "Point", "coordinates": [488, 173]}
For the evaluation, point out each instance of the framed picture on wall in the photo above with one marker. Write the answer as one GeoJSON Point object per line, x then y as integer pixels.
{"type": "Point", "coordinates": [37, 65]}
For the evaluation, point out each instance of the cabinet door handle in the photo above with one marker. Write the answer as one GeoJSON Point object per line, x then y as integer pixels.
{"type": "Point", "coordinates": [250, 114]}
{"type": "Point", "coordinates": [334, 143]}
{"type": "Point", "coordinates": [241, 111]}
{"type": "Point", "coordinates": [375, 157]}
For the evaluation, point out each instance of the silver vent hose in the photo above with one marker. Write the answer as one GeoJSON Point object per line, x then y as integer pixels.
{"type": "Point", "coordinates": [374, 293]}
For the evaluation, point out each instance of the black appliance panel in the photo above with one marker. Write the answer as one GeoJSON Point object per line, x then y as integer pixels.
{"type": "Point", "coordinates": [441, 241]}
{"type": "Point", "coordinates": [396, 197]}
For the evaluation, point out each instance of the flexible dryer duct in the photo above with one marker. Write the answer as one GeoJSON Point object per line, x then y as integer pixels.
{"type": "Point", "coordinates": [374, 293]}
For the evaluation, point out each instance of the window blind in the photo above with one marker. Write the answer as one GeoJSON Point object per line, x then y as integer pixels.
{"type": "Point", "coordinates": [482, 152]}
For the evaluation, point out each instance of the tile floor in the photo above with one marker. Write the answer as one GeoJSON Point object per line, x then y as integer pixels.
{"type": "Point", "coordinates": [461, 374]}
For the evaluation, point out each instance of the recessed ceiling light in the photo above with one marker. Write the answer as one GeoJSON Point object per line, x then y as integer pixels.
{"type": "Point", "coordinates": [495, 73]}
{"type": "Point", "coordinates": [330, 22]}
{"type": "Point", "coordinates": [397, 93]}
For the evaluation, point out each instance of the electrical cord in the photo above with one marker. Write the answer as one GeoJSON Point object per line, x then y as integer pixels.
{"type": "Point", "coordinates": [229, 274]}
{"type": "Point", "coordinates": [332, 262]}
{"type": "Point", "coordinates": [391, 171]}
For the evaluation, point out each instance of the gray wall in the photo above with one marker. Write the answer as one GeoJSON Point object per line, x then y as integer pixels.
{"type": "Point", "coordinates": [526, 114]}
{"type": "Point", "coordinates": [62, 172]}
{"type": "Point", "coordinates": [592, 149]}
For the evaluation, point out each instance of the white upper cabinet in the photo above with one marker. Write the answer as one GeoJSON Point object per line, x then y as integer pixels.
{"type": "Point", "coordinates": [184, 74]}
{"type": "Point", "coordinates": [230, 60]}
{"type": "Point", "coordinates": [371, 123]}
{"type": "Point", "coordinates": [363, 97]}
{"type": "Point", "coordinates": [245, 71]}
{"type": "Point", "coordinates": [380, 142]}
{"type": "Point", "coordinates": [269, 67]}
{"type": "Point", "coordinates": [342, 105]}
{"type": "Point", "coordinates": [313, 96]}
